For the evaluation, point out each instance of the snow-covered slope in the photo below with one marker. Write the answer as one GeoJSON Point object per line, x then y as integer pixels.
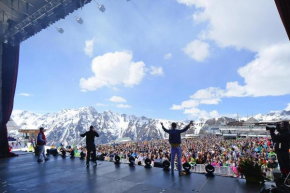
{"type": "Point", "coordinates": [66, 125]}
{"type": "Point", "coordinates": [272, 116]}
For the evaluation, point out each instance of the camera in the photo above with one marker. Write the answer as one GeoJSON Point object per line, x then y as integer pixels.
{"type": "Point", "coordinates": [275, 126]}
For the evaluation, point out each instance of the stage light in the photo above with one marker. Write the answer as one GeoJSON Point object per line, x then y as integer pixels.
{"type": "Point", "coordinates": [102, 8]}
{"type": "Point", "coordinates": [186, 167]}
{"type": "Point", "coordinates": [147, 163]}
{"type": "Point", "coordinates": [55, 153]}
{"type": "Point", "coordinates": [60, 30]}
{"type": "Point", "coordinates": [79, 20]}
{"type": "Point", "coordinates": [83, 155]}
{"type": "Point", "coordinates": [209, 170]}
{"type": "Point", "coordinates": [72, 154]}
{"type": "Point", "coordinates": [117, 159]}
{"type": "Point", "coordinates": [166, 165]}
{"type": "Point", "coordinates": [132, 161]}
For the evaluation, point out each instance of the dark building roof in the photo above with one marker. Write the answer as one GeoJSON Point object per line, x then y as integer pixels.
{"type": "Point", "coordinates": [235, 123]}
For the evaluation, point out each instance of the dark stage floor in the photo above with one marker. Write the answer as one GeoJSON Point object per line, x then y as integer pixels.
{"type": "Point", "coordinates": [24, 174]}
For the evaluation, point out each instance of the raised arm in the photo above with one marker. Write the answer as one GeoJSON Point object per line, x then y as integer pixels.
{"type": "Point", "coordinates": [83, 135]}
{"type": "Point", "coordinates": [186, 127]}
{"type": "Point", "coordinates": [164, 129]}
{"type": "Point", "coordinates": [96, 134]}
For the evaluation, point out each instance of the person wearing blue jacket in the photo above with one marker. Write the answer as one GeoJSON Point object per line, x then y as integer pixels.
{"type": "Point", "coordinates": [175, 141]}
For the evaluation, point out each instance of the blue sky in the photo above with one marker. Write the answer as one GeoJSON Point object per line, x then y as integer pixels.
{"type": "Point", "coordinates": [171, 59]}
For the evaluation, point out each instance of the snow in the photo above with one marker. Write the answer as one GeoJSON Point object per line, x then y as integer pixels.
{"type": "Point", "coordinates": [66, 125]}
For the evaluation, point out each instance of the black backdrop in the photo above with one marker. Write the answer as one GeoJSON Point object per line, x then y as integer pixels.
{"type": "Point", "coordinates": [10, 60]}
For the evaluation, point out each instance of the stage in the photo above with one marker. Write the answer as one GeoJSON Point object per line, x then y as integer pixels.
{"type": "Point", "coordinates": [24, 174]}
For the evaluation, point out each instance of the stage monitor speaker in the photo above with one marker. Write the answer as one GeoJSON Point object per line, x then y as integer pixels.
{"type": "Point", "coordinates": [158, 165]}
{"type": "Point", "coordinates": [100, 157]}
{"type": "Point", "coordinates": [52, 151]}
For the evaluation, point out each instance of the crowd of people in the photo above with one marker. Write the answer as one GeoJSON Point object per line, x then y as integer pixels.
{"type": "Point", "coordinates": [202, 150]}
{"type": "Point", "coordinates": [205, 149]}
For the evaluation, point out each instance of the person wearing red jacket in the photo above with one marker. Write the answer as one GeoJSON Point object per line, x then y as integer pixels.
{"type": "Point", "coordinates": [41, 142]}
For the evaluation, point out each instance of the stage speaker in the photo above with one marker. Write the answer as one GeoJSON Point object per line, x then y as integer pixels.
{"type": "Point", "coordinates": [158, 165]}
{"type": "Point", "coordinates": [52, 152]}
{"type": "Point", "coordinates": [100, 157]}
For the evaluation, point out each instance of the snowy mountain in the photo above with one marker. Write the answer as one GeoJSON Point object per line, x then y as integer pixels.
{"type": "Point", "coordinates": [272, 116]}
{"type": "Point", "coordinates": [66, 125]}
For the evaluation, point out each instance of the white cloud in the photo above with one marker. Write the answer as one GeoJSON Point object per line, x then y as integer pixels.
{"type": "Point", "coordinates": [89, 47]}
{"type": "Point", "coordinates": [214, 114]}
{"type": "Point", "coordinates": [268, 74]}
{"type": "Point", "coordinates": [167, 56]}
{"type": "Point", "coordinates": [176, 107]}
{"type": "Point", "coordinates": [212, 101]}
{"type": "Point", "coordinates": [189, 103]}
{"type": "Point", "coordinates": [123, 106]}
{"type": "Point", "coordinates": [156, 71]}
{"type": "Point", "coordinates": [197, 50]}
{"type": "Point", "coordinates": [233, 89]}
{"type": "Point", "coordinates": [288, 107]}
{"type": "Point", "coordinates": [208, 93]}
{"type": "Point", "coordinates": [117, 99]}
{"type": "Point", "coordinates": [243, 27]}
{"type": "Point", "coordinates": [112, 69]}
{"type": "Point", "coordinates": [235, 23]}
{"type": "Point", "coordinates": [101, 105]}
{"type": "Point", "coordinates": [198, 113]}
{"type": "Point", "coordinates": [25, 94]}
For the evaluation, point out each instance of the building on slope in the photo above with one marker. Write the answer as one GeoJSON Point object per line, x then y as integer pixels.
{"type": "Point", "coordinates": [244, 129]}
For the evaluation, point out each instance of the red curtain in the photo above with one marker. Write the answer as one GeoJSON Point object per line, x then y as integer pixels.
{"type": "Point", "coordinates": [10, 59]}
{"type": "Point", "coordinates": [283, 7]}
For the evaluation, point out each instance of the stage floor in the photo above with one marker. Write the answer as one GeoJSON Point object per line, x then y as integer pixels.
{"type": "Point", "coordinates": [24, 174]}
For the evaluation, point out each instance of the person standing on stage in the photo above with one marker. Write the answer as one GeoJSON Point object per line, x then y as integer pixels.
{"type": "Point", "coordinates": [175, 141]}
{"type": "Point", "coordinates": [282, 146]}
{"type": "Point", "coordinates": [41, 142]}
{"type": "Point", "coordinates": [90, 142]}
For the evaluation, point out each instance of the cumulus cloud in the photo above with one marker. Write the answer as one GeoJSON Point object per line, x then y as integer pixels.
{"type": "Point", "coordinates": [167, 56]}
{"type": "Point", "coordinates": [101, 105]}
{"type": "Point", "coordinates": [112, 69]}
{"type": "Point", "coordinates": [176, 107]}
{"type": "Point", "coordinates": [156, 71]}
{"type": "Point", "coordinates": [258, 30]}
{"type": "Point", "coordinates": [268, 74]}
{"type": "Point", "coordinates": [197, 50]}
{"type": "Point", "coordinates": [25, 94]}
{"type": "Point", "coordinates": [89, 48]}
{"type": "Point", "coordinates": [123, 106]}
{"type": "Point", "coordinates": [117, 99]}
{"type": "Point", "coordinates": [235, 24]}
{"type": "Point", "coordinates": [207, 93]}
{"type": "Point", "coordinates": [198, 113]}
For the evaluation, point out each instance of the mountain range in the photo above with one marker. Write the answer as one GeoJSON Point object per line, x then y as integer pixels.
{"type": "Point", "coordinates": [67, 125]}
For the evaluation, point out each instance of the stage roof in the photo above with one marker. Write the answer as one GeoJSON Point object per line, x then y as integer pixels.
{"type": "Point", "coordinates": [21, 19]}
